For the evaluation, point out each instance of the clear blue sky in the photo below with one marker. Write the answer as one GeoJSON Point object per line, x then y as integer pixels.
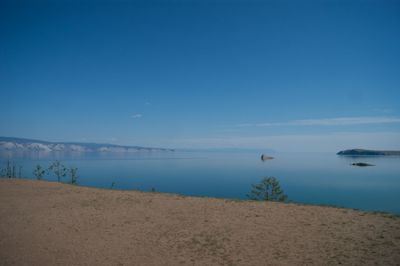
{"type": "Point", "coordinates": [278, 74]}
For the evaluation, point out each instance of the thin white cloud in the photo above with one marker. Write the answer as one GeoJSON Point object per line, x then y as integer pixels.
{"type": "Point", "coordinates": [383, 110]}
{"type": "Point", "coordinates": [315, 142]}
{"type": "Point", "coordinates": [137, 116]}
{"type": "Point", "coordinates": [339, 121]}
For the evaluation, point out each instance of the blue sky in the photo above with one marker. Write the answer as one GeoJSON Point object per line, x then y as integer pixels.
{"type": "Point", "coordinates": [287, 75]}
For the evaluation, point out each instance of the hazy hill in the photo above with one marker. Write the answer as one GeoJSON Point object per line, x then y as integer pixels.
{"type": "Point", "coordinates": [29, 145]}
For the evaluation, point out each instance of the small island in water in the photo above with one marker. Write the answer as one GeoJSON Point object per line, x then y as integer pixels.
{"type": "Point", "coordinates": [363, 152]}
{"type": "Point", "coordinates": [362, 164]}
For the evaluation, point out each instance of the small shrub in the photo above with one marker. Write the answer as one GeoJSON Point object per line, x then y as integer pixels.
{"type": "Point", "coordinates": [39, 172]}
{"type": "Point", "coordinates": [9, 169]}
{"type": "Point", "coordinates": [268, 189]}
{"type": "Point", "coordinates": [58, 169]}
{"type": "Point", "coordinates": [13, 175]}
{"type": "Point", "coordinates": [73, 172]}
{"type": "Point", "coordinates": [20, 171]}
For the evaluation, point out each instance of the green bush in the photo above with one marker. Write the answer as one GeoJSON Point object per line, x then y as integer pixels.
{"type": "Point", "coordinates": [58, 169]}
{"type": "Point", "coordinates": [268, 190]}
{"type": "Point", "coordinates": [73, 172]}
{"type": "Point", "coordinates": [39, 172]}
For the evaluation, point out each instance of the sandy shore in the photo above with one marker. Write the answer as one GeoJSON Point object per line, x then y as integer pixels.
{"type": "Point", "coordinates": [44, 223]}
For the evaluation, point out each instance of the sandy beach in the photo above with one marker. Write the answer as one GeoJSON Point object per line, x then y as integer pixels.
{"type": "Point", "coordinates": [46, 223]}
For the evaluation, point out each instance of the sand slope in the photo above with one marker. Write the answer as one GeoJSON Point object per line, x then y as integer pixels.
{"type": "Point", "coordinates": [43, 223]}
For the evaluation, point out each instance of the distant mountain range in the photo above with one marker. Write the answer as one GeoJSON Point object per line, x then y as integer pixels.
{"type": "Point", "coordinates": [362, 152]}
{"type": "Point", "coordinates": [29, 145]}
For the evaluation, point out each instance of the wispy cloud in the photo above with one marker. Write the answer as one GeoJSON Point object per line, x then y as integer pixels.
{"type": "Point", "coordinates": [137, 116]}
{"type": "Point", "coordinates": [338, 121]}
{"type": "Point", "coordinates": [332, 142]}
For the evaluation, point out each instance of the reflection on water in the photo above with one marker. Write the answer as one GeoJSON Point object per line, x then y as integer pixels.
{"type": "Point", "coordinates": [319, 178]}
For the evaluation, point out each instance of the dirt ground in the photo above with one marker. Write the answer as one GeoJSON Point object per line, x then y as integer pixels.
{"type": "Point", "coordinates": [45, 223]}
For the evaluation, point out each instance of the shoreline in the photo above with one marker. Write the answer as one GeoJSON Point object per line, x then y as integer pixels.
{"type": "Point", "coordinates": [385, 213]}
{"type": "Point", "coordinates": [48, 223]}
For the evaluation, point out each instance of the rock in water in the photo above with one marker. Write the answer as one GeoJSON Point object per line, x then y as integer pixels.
{"type": "Point", "coordinates": [266, 157]}
{"type": "Point", "coordinates": [362, 164]}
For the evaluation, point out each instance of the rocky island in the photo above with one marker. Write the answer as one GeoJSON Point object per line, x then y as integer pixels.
{"type": "Point", "coordinates": [363, 152]}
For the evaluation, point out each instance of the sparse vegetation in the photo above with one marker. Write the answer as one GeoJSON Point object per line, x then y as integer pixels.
{"type": "Point", "coordinates": [268, 189]}
{"type": "Point", "coordinates": [10, 170]}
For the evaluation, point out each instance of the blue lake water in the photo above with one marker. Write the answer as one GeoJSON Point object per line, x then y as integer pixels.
{"type": "Point", "coordinates": [316, 178]}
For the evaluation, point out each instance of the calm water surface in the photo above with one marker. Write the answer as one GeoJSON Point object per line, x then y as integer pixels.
{"type": "Point", "coordinates": [317, 178]}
